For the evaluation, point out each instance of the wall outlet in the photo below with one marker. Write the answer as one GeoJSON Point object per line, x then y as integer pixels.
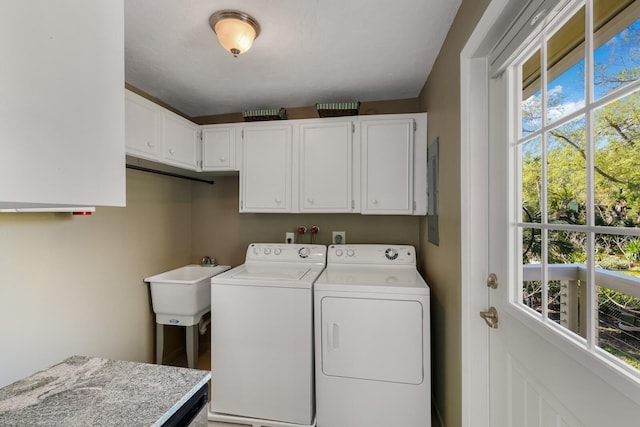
{"type": "Point", "coordinates": [288, 237]}
{"type": "Point", "coordinates": [338, 237]}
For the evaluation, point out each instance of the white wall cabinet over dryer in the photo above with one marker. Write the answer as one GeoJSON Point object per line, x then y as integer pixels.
{"type": "Point", "coordinates": [393, 161]}
{"type": "Point", "coordinates": [62, 104]}
{"type": "Point", "coordinates": [156, 134]}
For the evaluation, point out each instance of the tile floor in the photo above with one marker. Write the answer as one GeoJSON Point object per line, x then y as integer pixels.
{"type": "Point", "coordinates": [204, 363]}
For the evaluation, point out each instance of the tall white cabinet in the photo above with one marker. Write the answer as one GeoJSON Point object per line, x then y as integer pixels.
{"type": "Point", "coordinates": [62, 104]}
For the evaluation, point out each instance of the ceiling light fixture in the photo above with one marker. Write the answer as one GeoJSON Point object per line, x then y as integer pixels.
{"type": "Point", "coordinates": [236, 30]}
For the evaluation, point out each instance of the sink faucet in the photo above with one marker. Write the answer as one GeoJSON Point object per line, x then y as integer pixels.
{"type": "Point", "coordinates": [208, 261]}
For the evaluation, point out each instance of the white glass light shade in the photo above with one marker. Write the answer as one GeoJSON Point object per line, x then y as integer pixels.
{"type": "Point", "coordinates": [236, 31]}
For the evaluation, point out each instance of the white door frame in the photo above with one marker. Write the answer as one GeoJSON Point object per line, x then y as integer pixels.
{"type": "Point", "coordinates": [475, 240]}
{"type": "Point", "coordinates": [474, 196]}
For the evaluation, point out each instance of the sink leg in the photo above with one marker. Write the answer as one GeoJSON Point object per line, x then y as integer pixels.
{"type": "Point", "coordinates": [192, 345]}
{"type": "Point", "coordinates": [159, 342]}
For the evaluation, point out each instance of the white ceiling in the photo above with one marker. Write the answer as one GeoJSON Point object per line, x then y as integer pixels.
{"type": "Point", "coordinates": [309, 51]}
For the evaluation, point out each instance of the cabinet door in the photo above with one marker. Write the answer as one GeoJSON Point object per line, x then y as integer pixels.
{"type": "Point", "coordinates": [180, 141]}
{"type": "Point", "coordinates": [62, 104]}
{"type": "Point", "coordinates": [326, 156]}
{"type": "Point", "coordinates": [266, 169]}
{"type": "Point", "coordinates": [387, 166]}
{"type": "Point", "coordinates": [219, 148]}
{"type": "Point", "coordinates": [142, 122]}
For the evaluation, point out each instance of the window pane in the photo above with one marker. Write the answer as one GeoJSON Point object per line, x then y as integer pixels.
{"type": "Point", "coordinates": [616, 42]}
{"type": "Point", "coordinates": [531, 95]}
{"type": "Point", "coordinates": [619, 296]}
{"type": "Point", "coordinates": [531, 163]}
{"type": "Point", "coordinates": [566, 173]}
{"type": "Point", "coordinates": [566, 276]}
{"type": "Point", "coordinates": [617, 163]}
{"type": "Point", "coordinates": [531, 269]}
{"type": "Point", "coordinates": [565, 69]}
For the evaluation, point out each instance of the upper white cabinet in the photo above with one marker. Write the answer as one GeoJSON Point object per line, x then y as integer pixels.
{"type": "Point", "coordinates": [265, 179]}
{"type": "Point", "coordinates": [142, 126]}
{"type": "Point", "coordinates": [326, 166]}
{"type": "Point", "coordinates": [62, 104]}
{"type": "Point", "coordinates": [219, 147]}
{"type": "Point", "coordinates": [372, 165]}
{"type": "Point", "coordinates": [387, 166]}
{"type": "Point", "coordinates": [366, 164]}
{"type": "Point", "coordinates": [157, 134]}
{"type": "Point", "coordinates": [181, 143]}
{"type": "Point", "coordinates": [393, 162]}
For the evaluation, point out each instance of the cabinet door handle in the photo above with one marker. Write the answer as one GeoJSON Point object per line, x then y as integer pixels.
{"type": "Point", "coordinates": [150, 144]}
{"type": "Point", "coordinates": [171, 151]}
{"type": "Point", "coordinates": [277, 200]}
{"type": "Point", "coordinates": [374, 201]}
{"type": "Point", "coordinates": [310, 200]}
{"type": "Point", "coordinates": [222, 159]}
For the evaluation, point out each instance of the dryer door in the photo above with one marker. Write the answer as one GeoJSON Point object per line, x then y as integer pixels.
{"type": "Point", "coordinates": [373, 339]}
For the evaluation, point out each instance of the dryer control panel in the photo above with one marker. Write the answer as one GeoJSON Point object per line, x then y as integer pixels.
{"type": "Point", "coordinates": [371, 254]}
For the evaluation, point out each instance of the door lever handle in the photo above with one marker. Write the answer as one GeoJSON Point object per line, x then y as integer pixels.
{"type": "Point", "coordinates": [490, 317]}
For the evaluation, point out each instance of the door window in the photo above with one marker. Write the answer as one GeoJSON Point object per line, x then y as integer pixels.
{"type": "Point", "coordinates": [576, 143]}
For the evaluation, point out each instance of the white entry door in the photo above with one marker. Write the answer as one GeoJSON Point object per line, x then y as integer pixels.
{"type": "Point", "coordinates": [540, 374]}
{"type": "Point", "coordinates": [553, 358]}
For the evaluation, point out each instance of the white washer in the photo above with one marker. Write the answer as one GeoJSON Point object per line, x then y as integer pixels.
{"type": "Point", "coordinates": [372, 335]}
{"type": "Point", "coordinates": [262, 337]}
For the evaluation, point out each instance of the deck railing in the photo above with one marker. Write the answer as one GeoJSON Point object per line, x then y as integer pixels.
{"type": "Point", "coordinates": [572, 295]}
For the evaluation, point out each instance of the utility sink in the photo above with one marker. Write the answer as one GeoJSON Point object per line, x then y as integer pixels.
{"type": "Point", "coordinates": [181, 296]}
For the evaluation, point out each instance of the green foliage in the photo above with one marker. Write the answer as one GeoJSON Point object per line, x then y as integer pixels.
{"type": "Point", "coordinates": [621, 355]}
{"type": "Point", "coordinates": [616, 136]}
{"type": "Point", "coordinates": [612, 263]}
{"type": "Point", "coordinates": [632, 250]}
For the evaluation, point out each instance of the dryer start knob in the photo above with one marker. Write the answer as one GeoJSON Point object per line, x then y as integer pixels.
{"type": "Point", "coordinates": [391, 254]}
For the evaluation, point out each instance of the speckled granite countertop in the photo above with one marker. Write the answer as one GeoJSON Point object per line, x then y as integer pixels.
{"type": "Point", "coordinates": [90, 391]}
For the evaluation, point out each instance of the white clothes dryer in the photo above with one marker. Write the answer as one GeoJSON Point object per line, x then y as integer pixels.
{"type": "Point", "coordinates": [262, 337]}
{"type": "Point", "coordinates": [372, 339]}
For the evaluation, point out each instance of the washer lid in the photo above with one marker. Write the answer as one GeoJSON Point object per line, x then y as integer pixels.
{"type": "Point", "coordinates": [284, 275]}
{"type": "Point", "coordinates": [268, 272]}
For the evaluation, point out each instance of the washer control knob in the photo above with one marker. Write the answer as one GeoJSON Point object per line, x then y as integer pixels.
{"type": "Point", "coordinates": [256, 250]}
{"type": "Point", "coordinates": [267, 251]}
{"type": "Point", "coordinates": [277, 251]}
{"type": "Point", "coordinates": [350, 252]}
{"type": "Point", "coordinates": [339, 252]}
{"type": "Point", "coordinates": [391, 254]}
{"type": "Point", "coordinates": [304, 252]}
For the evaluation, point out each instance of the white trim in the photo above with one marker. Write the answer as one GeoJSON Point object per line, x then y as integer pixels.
{"type": "Point", "coordinates": [473, 240]}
